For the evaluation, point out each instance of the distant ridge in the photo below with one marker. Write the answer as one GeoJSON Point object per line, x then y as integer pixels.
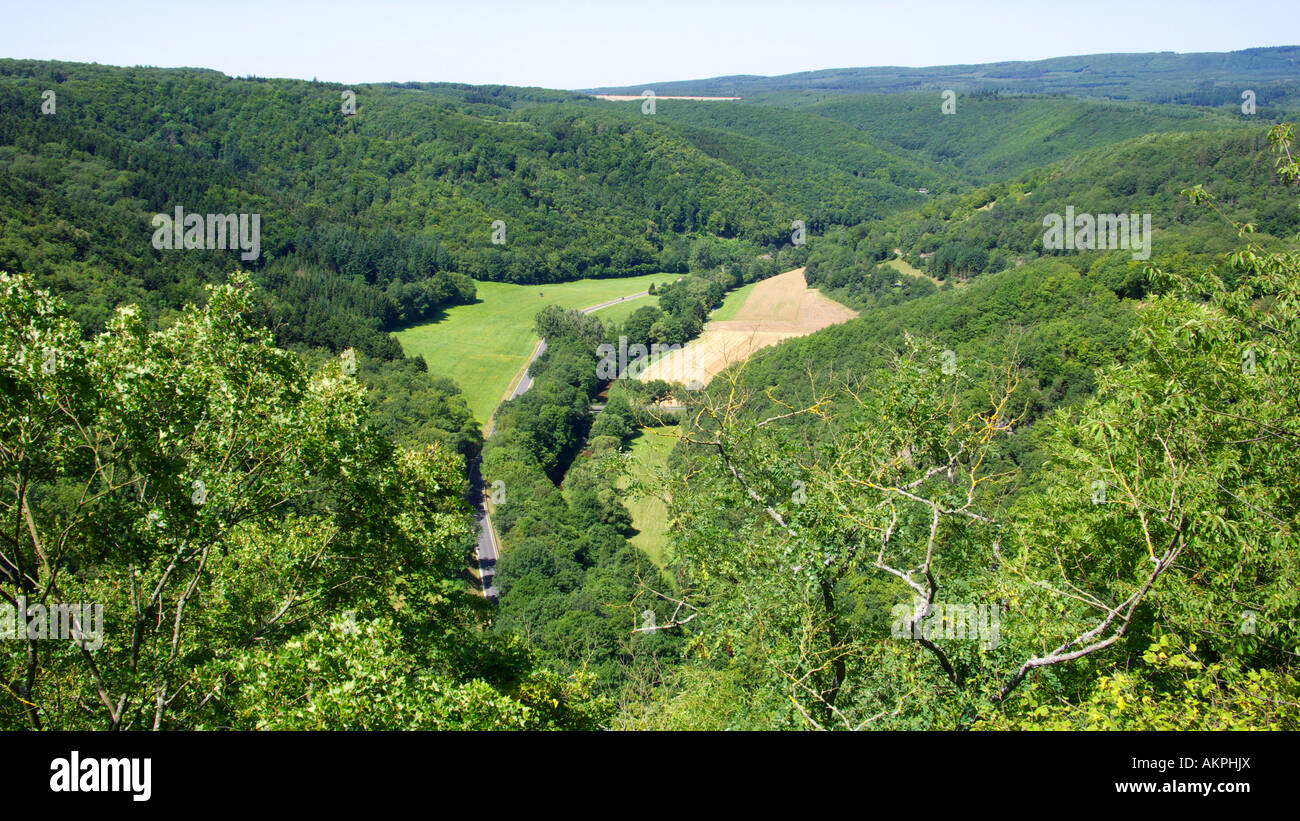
{"type": "Point", "coordinates": [621, 98]}
{"type": "Point", "coordinates": [1163, 77]}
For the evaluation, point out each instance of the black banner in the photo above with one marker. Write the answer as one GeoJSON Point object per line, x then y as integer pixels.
{"type": "Point", "coordinates": [496, 771]}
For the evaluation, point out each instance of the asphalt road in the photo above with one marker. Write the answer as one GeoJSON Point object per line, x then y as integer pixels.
{"type": "Point", "coordinates": [613, 302]}
{"type": "Point", "coordinates": [526, 381]}
{"type": "Point", "coordinates": [487, 549]}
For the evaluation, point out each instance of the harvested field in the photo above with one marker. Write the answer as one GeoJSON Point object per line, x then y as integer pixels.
{"type": "Point", "coordinates": [777, 309]}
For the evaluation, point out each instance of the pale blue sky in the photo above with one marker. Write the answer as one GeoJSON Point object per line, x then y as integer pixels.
{"type": "Point", "coordinates": [571, 44]}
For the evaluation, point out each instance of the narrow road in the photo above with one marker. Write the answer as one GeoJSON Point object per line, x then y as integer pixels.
{"type": "Point", "coordinates": [613, 302]}
{"type": "Point", "coordinates": [487, 546]}
{"type": "Point", "coordinates": [487, 549]}
{"type": "Point", "coordinates": [526, 381]}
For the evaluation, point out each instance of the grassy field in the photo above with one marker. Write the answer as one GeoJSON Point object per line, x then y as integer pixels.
{"type": "Point", "coordinates": [900, 264]}
{"type": "Point", "coordinates": [649, 513]}
{"type": "Point", "coordinates": [732, 303]}
{"type": "Point", "coordinates": [482, 346]}
{"type": "Point", "coordinates": [619, 312]}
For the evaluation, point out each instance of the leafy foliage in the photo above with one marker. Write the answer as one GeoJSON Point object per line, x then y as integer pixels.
{"type": "Point", "coordinates": [225, 507]}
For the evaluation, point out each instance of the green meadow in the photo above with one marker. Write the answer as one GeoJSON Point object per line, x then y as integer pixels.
{"type": "Point", "coordinates": [731, 304]}
{"type": "Point", "coordinates": [649, 455]}
{"type": "Point", "coordinates": [900, 264]}
{"type": "Point", "coordinates": [485, 345]}
{"type": "Point", "coordinates": [618, 313]}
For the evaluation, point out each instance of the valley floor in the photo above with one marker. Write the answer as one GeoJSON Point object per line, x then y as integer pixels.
{"type": "Point", "coordinates": [483, 346]}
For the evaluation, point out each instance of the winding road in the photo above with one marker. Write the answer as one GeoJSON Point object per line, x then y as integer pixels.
{"type": "Point", "coordinates": [487, 547]}
{"type": "Point", "coordinates": [488, 552]}
{"type": "Point", "coordinates": [526, 381]}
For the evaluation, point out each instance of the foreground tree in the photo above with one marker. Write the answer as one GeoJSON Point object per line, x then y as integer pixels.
{"type": "Point", "coordinates": [262, 557]}
{"type": "Point", "coordinates": [902, 574]}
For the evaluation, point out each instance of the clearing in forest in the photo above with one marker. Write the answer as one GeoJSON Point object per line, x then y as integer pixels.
{"type": "Point", "coordinates": [649, 510]}
{"type": "Point", "coordinates": [483, 346]}
{"type": "Point", "coordinates": [777, 308]}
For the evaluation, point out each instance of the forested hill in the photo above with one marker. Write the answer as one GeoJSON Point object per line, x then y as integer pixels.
{"type": "Point", "coordinates": [958, 236]}
{"type": "Point", "coordinates": [585, 189]}
{"type": "Point", "coordinates": [998, 135]}
{"type": "Point", "coordinates": [380, 218]}
{"type": "Point", "coordinates": [377, 219]}
{"type": "Point", "coordinates": [1211, 78]}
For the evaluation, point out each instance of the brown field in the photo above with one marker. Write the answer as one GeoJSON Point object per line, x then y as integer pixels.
{"type": "Point", "coordinates": [778, 308]}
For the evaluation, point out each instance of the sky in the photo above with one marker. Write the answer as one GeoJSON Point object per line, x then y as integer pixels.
{"type": "Point", "coordinates": [576, 44]}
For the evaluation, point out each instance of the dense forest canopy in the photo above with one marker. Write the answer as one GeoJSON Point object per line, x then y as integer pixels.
{"type": "Point", "coordinates": [1028, 486]}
